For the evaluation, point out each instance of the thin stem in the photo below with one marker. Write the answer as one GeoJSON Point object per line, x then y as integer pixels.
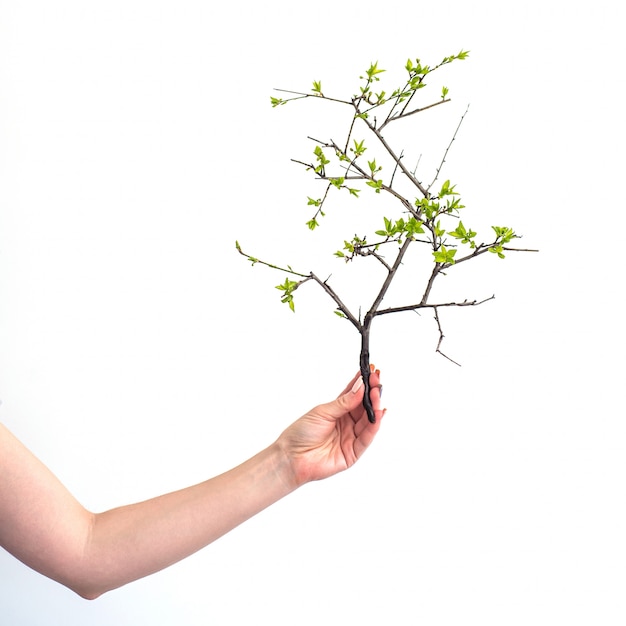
{"type": "Point", "coordinates": [254, 261]}
{"type": "Point", "coordinates": [403, 115]}
{"type": "Point", "coordinates": [445, 154]}
{"type": "Point", "coordinates": [423, 305]}
{"type": "Point", "coordinates": [393, 155]}
{"type": "Point", "coordinates": [340, 305]}
{"type": "Point", "coordinates": [310, 95]}
{"type": "Point", "coordinates": [441, 336]}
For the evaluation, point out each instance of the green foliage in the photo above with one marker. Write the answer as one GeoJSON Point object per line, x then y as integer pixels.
{"type": "Point", "coordinates": [504, 235]}
{"type": "Point", "coordinates": [359, 148]}
{"type": "Point", "coordinates": [322, 161]}
{"type": "Point", "coordinates": [424, 217]}
{"type": "Point", "coordinates": [466, 236]}
{"type": "Point", "coordinates": [373, 70]}
{"type": "Point", "coordinates": [444, 256]}
{"type": "Point", "coordinates": [288, 287]}
{"type": "Point", "coordinates": [430, 211]}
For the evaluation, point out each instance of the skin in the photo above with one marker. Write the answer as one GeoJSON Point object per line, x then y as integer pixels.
{"type": "Point", "coordinates": [45, 527]}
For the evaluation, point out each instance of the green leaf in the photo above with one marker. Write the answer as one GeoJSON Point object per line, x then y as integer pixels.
{"type": "Point", "coordinates": [276, 101]}
{"type": "Point", "coordinates": [447, 190]}
{"type": "Point", "coordinates": [376, 184]}
{"type": "Point", "coordinates": [444, 92]}
{"type": "Point", "coordinates": [497, 250]}
{"type": "Point", "coordinates": [504, 234]}
{"type": "Point", "coordinates": [312, 224]}
{"type": "Point", "coordinates": [444, 256]}
{"type": "Point", "coordinates": [359, 147]}
{"type": "Point", "coordinates": [317, 87]}
{"type": "Point", "coordinates": [414, 227]}
{"type": "Point", "coordinates": [321, 159]}
{"type": "Point", "coordinates": [373, 70]}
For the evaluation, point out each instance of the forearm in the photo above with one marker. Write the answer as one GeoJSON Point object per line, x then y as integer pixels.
{"type": "Point", "coordinates": [133, 541]}
{"type": "Point", "coordinates": [44, 526]}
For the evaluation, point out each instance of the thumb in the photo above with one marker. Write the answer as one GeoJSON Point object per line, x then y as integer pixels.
{"type": "Point", "coordinates": [346, 402]}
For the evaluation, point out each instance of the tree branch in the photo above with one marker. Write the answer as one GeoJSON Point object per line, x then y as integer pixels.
{"type": "Point", "coordinates": [441, 336]}
{"type": "Point", "coordinates": [445, 154]}
{"type": "Point", "coordinates": [423, 305]}
{"type": "Point", "coordinates": [287, 269]}
{"type": "Point", "coordinates": [340, 305]}
{"type": "Point", "coordinates": [400, 116]}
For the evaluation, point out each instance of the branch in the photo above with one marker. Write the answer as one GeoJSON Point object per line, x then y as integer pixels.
{"type": "Point", "coordinates": [482, 248]}
{"type": "Point", "coordinates": [445, 154]}
{"type": "Point", "coordinates": [400, 116]}
{"type": "Point", "coordinates": [441, 336]}
{"type": "Point", "coordinates": [310, 276]}
{"type": "Point", "coordinates": [423, 305]}
{"type": "Point", "coordinates": [287, 269]}
{"type": "Point", "coordinates": [390, 275]}
{"type": "Point", "coordinates": [387, 147]}
{"type": "Point", "coordinates": [374, 254]}
{"type": "Point", "coordinates": [310, 95]}
{"type": "Point", "coordinates": [340, 305]}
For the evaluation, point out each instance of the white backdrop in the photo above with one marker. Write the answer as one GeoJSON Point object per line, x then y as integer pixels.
{"type": "Point", "coordinates": [140, 353]}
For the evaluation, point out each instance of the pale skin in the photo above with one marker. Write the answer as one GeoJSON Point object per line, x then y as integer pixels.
{"type": "Point", "coordinates": [45, 527]}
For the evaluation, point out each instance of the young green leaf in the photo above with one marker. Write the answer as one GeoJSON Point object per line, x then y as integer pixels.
{"type": "Point", "coordinates": [444, 256]}
{"type": "Point", "coordinates": [359, 147]}
{"type": "Point", "coordinates": [373, 70]}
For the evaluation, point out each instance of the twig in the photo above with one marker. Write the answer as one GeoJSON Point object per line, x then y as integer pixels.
{"type": "Point", "coordinates": [445, 154]}
{"type": "Point", "coordinates": [403, 115]}
{"type": "Point", "coordinates": [287, 269]}
{"type": "Point", "coordinates": [441, 336]}
{"type": "Point", "coordinates": [426, 305]}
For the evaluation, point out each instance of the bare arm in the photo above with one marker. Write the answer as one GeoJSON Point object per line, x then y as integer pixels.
{"type": "Point", "coordinates": [44, 526]}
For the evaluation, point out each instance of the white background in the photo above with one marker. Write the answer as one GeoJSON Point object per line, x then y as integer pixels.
{"type": "Point", "coordinates": [140, 353]}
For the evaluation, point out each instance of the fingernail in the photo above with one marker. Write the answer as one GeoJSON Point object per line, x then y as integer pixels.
{"type": "Point", "coordinates": [372, 368]}
{"type": "Point", "coordinates": [378, 372]}
{"type": "Point", "coordinates": [357, 384]}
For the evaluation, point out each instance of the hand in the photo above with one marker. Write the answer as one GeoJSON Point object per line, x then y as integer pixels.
{"type": "Point", "coordinates": [331, 437]}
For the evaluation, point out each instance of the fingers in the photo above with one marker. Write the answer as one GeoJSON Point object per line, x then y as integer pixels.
{"type": "Point", "coordinates": [376, 388]}
{"type": "Point", "coordinates": [350, 401]}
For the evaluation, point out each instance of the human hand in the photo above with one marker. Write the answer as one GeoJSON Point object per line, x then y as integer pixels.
{"type": "Point", "coordinates": [331, 437]}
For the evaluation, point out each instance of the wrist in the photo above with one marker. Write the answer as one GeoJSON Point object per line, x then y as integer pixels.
{"type": "Point", "coordinates": [285, 467]}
